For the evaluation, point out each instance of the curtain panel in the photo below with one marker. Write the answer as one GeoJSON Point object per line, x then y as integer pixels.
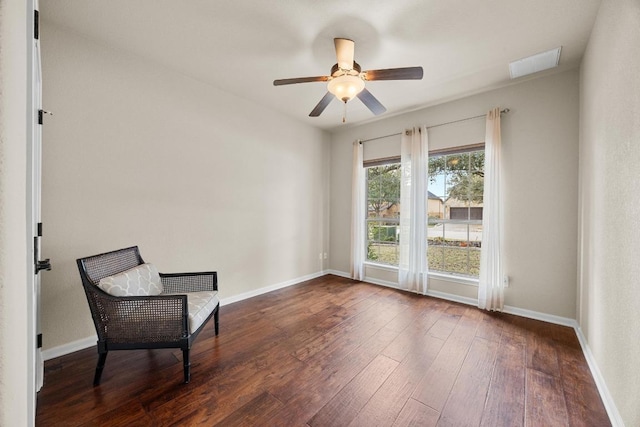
{"type": "Point", "coordinates": [490, 285]}
{"type": "Point", "coordinates": [412, 266]}
{"type": "Point", "coordinates": [358, 213]}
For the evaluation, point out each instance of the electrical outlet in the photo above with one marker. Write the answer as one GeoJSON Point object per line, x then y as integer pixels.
{"type": "Point", "coordinates": [505, 281]}
{"type": "Point", "coordinates": [325, 255]}
{"type": "Point", "coordinates": [320, 255]}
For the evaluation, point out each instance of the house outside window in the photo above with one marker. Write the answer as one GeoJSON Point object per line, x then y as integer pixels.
{"type": "Point", "coordinates": [454, 211]}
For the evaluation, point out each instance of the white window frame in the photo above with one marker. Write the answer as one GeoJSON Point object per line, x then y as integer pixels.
{"type": "Point", "coordinates": [436, 274]}
{"type": "Point", "coordinates": [466, 222]}
{"type": "Point", "coordinates": [396, 221]}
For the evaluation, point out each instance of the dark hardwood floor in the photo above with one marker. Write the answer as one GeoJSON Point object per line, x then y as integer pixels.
{"type": "Point", "coordinates": [333, 352]}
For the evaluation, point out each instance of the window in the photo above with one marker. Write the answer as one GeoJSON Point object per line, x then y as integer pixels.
{"type": "Point", "coordinates": [456, 186]}
{"type": "Point", "coordinates": [383, 212]}
{"type": "Point", "coordinates": [454, 211]}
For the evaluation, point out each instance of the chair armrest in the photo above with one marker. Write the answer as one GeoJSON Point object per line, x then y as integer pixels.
{"type": "Point", "coordinates": [140, 319]}
{"type": "Point", "coordinates": [189, 282]}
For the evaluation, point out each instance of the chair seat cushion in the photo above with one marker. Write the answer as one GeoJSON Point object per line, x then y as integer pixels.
{"type": "Point", "coordinates": [201, 305]}
{"type": "Point", "coordinates": [139, 281]}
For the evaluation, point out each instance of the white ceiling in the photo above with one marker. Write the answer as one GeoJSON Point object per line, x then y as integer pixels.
{"type": "Point", "coordinates": [241, 46]}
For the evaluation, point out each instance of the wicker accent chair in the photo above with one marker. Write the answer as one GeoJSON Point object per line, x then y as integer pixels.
{"type": "Point", "coordinates": [171, 319]}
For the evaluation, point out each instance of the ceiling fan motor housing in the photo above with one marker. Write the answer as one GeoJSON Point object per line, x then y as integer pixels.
{"type": "Point", "coordinates": [335, 70]}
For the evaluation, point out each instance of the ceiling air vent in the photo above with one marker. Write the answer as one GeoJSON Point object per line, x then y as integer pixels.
{"type": "Point", "coordinates": [533, 64]}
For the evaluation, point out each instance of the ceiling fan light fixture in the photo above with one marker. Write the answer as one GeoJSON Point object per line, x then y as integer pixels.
{"type": "Point", "coordinates": [345, 87]}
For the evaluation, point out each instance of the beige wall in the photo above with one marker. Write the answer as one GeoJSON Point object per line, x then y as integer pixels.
{"type": "Point", "coordinates": [609, 271]}
{"type": "Point", "coordinates": [540, 140]}
{"type": "Point", "coordinates": [15, 373]}
{"type": "Point", "coordinates": [137, 154]}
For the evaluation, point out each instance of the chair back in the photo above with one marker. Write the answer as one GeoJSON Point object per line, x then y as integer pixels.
{"type": "Point", "coordinates": [96, 267]}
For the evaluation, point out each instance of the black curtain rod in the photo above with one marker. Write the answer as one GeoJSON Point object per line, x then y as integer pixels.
{"type": "Point", "coordinates": [505, 111]}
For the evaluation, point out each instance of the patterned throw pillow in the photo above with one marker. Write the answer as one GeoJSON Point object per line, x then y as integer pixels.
{"type": "Point", "coordinates": [139, 281]}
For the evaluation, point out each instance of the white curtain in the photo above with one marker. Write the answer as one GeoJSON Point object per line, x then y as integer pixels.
{"type": "Point", "coordinates": [490, 287]}
{"type": "Point", "coordinates": [412, 266]}
{"type": "Point", "coordinates": [358, 213]}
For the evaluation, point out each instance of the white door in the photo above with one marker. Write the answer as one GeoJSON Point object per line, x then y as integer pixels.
{"type": "Point", "coordinates": [35, 153]}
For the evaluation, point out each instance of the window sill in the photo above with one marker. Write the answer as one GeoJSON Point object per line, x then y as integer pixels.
{"type": "Point", "coordinates": [381, 266]}
{"type": "Point", "coordinates": [469, 281]}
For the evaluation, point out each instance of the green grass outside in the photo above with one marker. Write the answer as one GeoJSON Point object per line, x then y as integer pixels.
{"type": "Point", "coordinates": [449, 259]}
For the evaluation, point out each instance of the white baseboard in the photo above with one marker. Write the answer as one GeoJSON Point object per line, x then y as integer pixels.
{"type": "Point", "coordinates": [386, 283]}
{"type": "Point", "coordinates": [61, 350]}
{"type": "Point", "coordinates": [607, 399]}
{"type": "Point", "coordinates": [271, 288]}
{"type": "Point", "coordinates": [338, 273]}
{"type": "Point", "coordinates": [536, 315]}
{"type": "Point", "coordinates": [452, 297]}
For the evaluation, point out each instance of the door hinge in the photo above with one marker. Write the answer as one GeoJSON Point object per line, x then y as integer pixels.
{"type": "Point", "coordinates": [39, 340]}
{"type": "Point", "coordinates": [44, 264]}
{"type": "Point", "coordinates": [36, 24]}
{"type": "Point", "coordinates": [41, 114]}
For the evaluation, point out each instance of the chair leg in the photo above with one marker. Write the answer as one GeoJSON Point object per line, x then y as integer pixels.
{"type": "Point", "coordinates": [187, 365]}
{"type": "Point", "coordinates": [216, 317]}
{"type": "Point", "coordinates": [102, 357]}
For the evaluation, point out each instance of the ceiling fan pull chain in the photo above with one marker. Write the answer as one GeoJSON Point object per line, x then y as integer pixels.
{"type": "Point", "coordinates": [344, 114]}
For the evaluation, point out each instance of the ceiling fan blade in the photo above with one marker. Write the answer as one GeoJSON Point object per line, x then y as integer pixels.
{"type": "Point", "coordinates": [326, 99]}
{"type": "Point", "coordinates": [408, 73]}
{"type": "Point", "coordinates": [281, 82]}
{"type": "Point", "coordinates": [371, 102]}
{"type": "Point", "coordinates": [344, 52]}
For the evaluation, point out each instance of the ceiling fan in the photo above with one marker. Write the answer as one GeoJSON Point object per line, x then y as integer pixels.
{"type": "Point", "coordinates": [348, 80]}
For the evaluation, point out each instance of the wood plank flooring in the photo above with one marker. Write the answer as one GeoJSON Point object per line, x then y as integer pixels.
{"type": "Point", "coordinates": [333, 352]}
